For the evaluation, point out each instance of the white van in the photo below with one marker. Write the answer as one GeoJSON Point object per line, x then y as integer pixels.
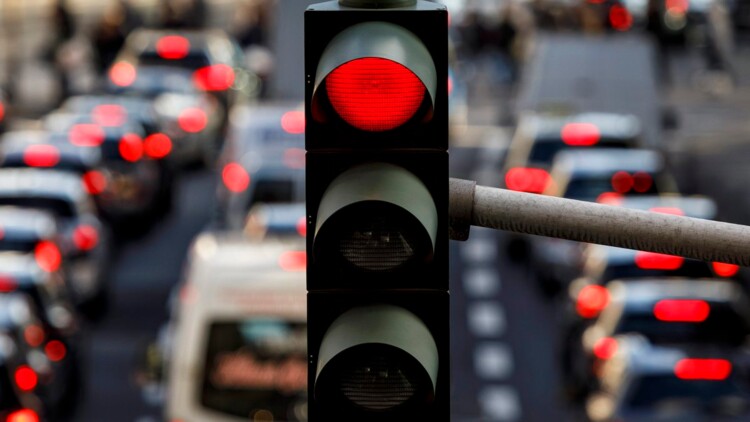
{"type": "Point", "coordinates": [238, 352]}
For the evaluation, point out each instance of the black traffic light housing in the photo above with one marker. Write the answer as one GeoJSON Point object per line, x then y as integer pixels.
{"type": "Point", "coordinates": [377, 208]}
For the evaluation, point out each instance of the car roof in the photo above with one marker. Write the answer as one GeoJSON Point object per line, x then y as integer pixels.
{"type": "Point", "coordinates": [62, 121]}
{"type": "Point", "coordinates": [647, 291]}
{"type": "Point", "coordinates": [14, 219]}
{"type": "Point", "coordinates": [41, 183]}
{"type": "Point", "coordinates": [601, 161]}
{"type": "Point", "coordinates": [20, 266]}
{"type": "Point", "coordinates": [140, 108]}
{"type": "Point", "coordinates": [610, 125]}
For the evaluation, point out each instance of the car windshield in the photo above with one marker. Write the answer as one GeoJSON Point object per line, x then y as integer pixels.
{"type": "Point", "coordinates": [191, 61]}
{"type": "Point", "coordinates": [590, 187]}
{"type": "Point", "coordinates": [661, 390]}
{"type": "Point", "coordinates": [256, 365]}
{"type": "Point", "coordinates": [689, 268]}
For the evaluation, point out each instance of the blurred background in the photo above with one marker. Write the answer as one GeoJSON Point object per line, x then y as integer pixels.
{"type": "Point", "coordinates": [152, 215]}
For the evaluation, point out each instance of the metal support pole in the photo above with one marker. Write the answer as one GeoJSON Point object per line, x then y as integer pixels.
{"type": "Point", "coordinates": [604, 224]}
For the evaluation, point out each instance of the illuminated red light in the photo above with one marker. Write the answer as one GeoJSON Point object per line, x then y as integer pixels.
{"type": "Point", "coordinates": [302, 226]}
{"type": "Point", "coordinates": [294, 158]}
{"type": "Point", "coordinates": [122, 74]}
{"type": "Point", "coordinates": [657, 261]}
{"type": "Point", "coordinates": [131, 147]}
{"type": "Point", "coordinates": [703, 369]}
{"type": "Point", "coordinates": [157, 145]}
{"type": "Point", "coordinates": [41, 155]}
{"type": "Point", "coordinates": [235, 177]}
{"type": "Point", "coordinates": [25, 377]}
{"type": "Point", "coordinates": [725, 270]}
{"type": "Point", "coordinates": [7, 284]}
{"type": "Point", "coordinates": [591, 301]}
{"type": "Point", "coordinates": [94, 181]}
{"type": "Point", "coordinates": [580, 134]}
{"type": "Point", "coordinates": [293, 122]}
{"type": "Point", "coordinates": [293, 261]}
{"type": "Point", "coordinates": [86, 135]}
{"type": "Point", "coordinates": [622, 182]}
{"type": "Point", "coordinates": [681, 310]}
{"type": "Point", "coordinates": [375, 94]}
{"type": "Point", "coordinates": [620, 18]}
{"type": "Point", "coordinates": [218, 77]}
{"type": "Point", "coordinates": [55, 350]}
{"type": "Point", "coordinates": [23, 415]}
{"type": "Point", "coordinates": [2, 111]}
{"type": "Point", "coordinates": [524, 179]}
{"type": "Point", "coordinates": [677, 7]}
{"type": "Point", "coordinates": [668, 210]}
{"type": "Point", "coordinates": [450, 85]}
{"type": "Point", "coordinates": [610, 198]}
{"type": "Point", "coordinates": [173, 47]}
{"type": "Point", "coordinates": [85, 237]}
{"type": "Point", "coordinates": [605, 348]}
{"type": "Point", "coordinates": [34, 335]}
{"type": "Point", "coordinates": [47, 256]}
{"type": "Point", "coordinates": [642, 182]}
{"type": "Point", "coordinates": [192, 120]}
{"type": "Point", "coordinates": [111, 115]}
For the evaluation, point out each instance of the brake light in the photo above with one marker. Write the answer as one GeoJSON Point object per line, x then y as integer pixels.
{"type": "Point", "coordinates": [524, 179]}
{"type": "Point", "coordinates": [580, 134]}
{"type": "Point", "coordinates": [8, 284]}
{"type": "Point", "coordinates": [642, 182]}
{"type": "Point", "coordinates": [122, 74]}
{"type": "Point", "coordinates": [2, 111]}
{"type": "Point", "coordinates": [677, 7]}
{"type": "Point", "coordinates": [681, 310]}
{"type": "Point", "coordinates": [23, 415]}
{"type": "Point", "coordinates": [173, 47]}
{"type": "Point", "coordinates": [605, 348]}
{"type": "Point", "coordinates": [450, 85]}
{"type": "Point", "coordinates": [293, 261]}
{"type": "Point", "coordinates": [131, 147]}
{"type": "Point", "coordinates": [620, 18]}
{"type": "Point", "coordinates": [668, 210]}
{"type": "Point", "coordinates": [85, 237]}
{"type": "Point", "coordinates": [25, 377]}
{"type": "Point", "coordinates": [41, 155]}
{"type": "Point", "coordinates": [610, 198]}
{"type": "Point", "coordinates": [235, 177]}
{"type": "Point", "coordinates": [34, 335]}
{"type": "Point", "coordinates": [622, 182]}
{"type": "Point", "coordinates": [658, 261]}
{"type": "Point", "coordinates": [47, 255]}
{"type": "Point", "coordinates": [157, 145]}
{"type": "Point", "coordinates": [192, 120]}
{"type": "Point", "coordinates": [111, 115]}
{"type": "Point", "coordinates": [725, 270]}
{"type": "Point", "coordinates": [95, 182]}
{"type": "Point", "coordinates": [591, 301]}
{"type": "Point", "coordinates": [293, 122]}
{"type": "Point", "coordinates": [86, 135]}
{"type": "Point", "coordinates": [55, 350]}
{"type": "Point", "coordinates": [302, 226]}
{"type": "Point", "coordinates": [294, 158]}
{"type": "Point", "coordinates": [218, 77]}
{"type": "Point", "coordinates": [703, 369]}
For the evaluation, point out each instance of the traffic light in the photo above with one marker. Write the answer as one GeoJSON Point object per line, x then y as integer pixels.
{"type": "Point", "coordinates": [377, 210]}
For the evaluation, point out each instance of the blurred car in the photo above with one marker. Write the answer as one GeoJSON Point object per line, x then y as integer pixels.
{"type": "Point", "coordinates": [279, 219]}
{"type": "Point", "coordinates": [84, 245]}
{"type": "Point", "coordinates": [60, 376]}
{"type": "Point", "coordinates": [193, 119]}
{"type": "Point", "coordinates": [643, 382]}
{"type": "Point", "coordinates": [673, 311]}
{"type": "Point", "coordinates": [263, 161]}
{"type": "Point", "coordinates": [239, 347]}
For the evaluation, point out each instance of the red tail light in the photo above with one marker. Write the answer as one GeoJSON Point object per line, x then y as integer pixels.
{"type": "Point", "coordinates": [25, 377]}
{"type": "Point", "coordinates": [580, 134]}
{"type": "Point", "coordinates": [677, 7]}
{"type": "Point", "coordinates": [34, 335]}
{"type": "Point", "coordinates": [235, 177]}
{"type": "Point", "coordinates": [293, 261]}
{"type": "Point", "coordinates": [157, 146]}
{"type": "Point", "coordinates": [111, 115]}
{"type": "Point", "coordinates": [620, 18]}
{"type": "Point", "coordinates": [524, 179]}
{"type": "Point", "coordinates": [131, 147]}
{"type": "Point", "coordinates": [622, 182]}
{"type": "Point", "coordinates": [55, 350]}
{"type": "Point", "coordinates": [605, 348]}
{"type": "Point", "coordinates": [302, 226]}
{"type": "Point", "coordinates": [23, 415]}
{"type": "Point", "coordinates": [681, 310]}
{"type": "Point", "coordinates": [610, 198]}
{"type": "Point", "coordinates": [668, 210]}
{"type": "Point", "coordinates": [657, 261]}
{"type": "Point", "coordinates": [218, 77]}
{"type": "Point", "coordinates": [86, 135]}
{"type": "Point", "coordinates": [48, 256]}
{"type": "Point", "coordinates": [40, 155]}
{"type": "Point", "coordinates": [85, 237]}
{"type": "Point", "coordinates": [591, 301]}
{"type": "Point", "coordinates": [2, 111]}
{"type": "Point", "coordinates": [725, 270]}
{"type": "Point", "coordinates": [642, 182]}
{"type": "Point", "coordinates": [375, 94]}
{"type": "Point", "coordinates": [8, 284]}
{"type": "Point", "coordinates": [192, 120]}
{"type": "Point", "coordinates": [294, 158]}
{"type": "Point", "coordinates": [95, 182]}
{"type": "Point", "coordinates": [703, 369]}
{"type": "Point", "coordinates": [173, 47]}
{"type": "Point", "coordinates": [122, 74]}
{"type": "Point", "coordinates": [450, 85]}
{"type": "Point", "coordinates": [293, 122]}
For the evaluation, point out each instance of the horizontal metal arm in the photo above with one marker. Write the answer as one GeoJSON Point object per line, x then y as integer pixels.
{"type": "Point", "coordinates": [603, 224]}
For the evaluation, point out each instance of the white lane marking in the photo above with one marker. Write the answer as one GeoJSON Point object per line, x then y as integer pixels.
{"type": "Point", "coordinates": [486, 319]}
{"type": "Point", "coordinates": [493, 361]}
{"type": "Point", "coordinates": [480, 249]}
{"type": "Point", "coordinates": [500, 403]}
{"type": "Point", "coordinates": [481, 282]}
